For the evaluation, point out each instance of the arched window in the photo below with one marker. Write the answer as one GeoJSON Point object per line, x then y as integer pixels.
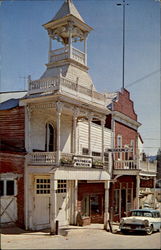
{"type": "Point", "coordinates": [50, 144]}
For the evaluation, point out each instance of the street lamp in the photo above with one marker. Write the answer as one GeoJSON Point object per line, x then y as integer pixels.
{"type": "Point", "coordinates": [123, 42]}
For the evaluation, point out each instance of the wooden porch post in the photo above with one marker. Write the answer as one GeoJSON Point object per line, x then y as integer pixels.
{"type": "Point", "coordinates": [74, 141]}
{"type": "Point", "coordinates": [75, 200]}
{"type": "Point", "coordinates": [59, 106]}
{"type": "Point", "coordinates": [106, 213]}
{"type": "Point", "coordinates": [137, 190]}
{"type": "Point", "coordinates": [90, 117]}
{"type": "Point", "coordinates": [53, 207]}
{"type": "Point", "coordinates": [102, 124]}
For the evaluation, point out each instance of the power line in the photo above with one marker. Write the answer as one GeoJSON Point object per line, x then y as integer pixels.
{"type": "Point", "coordinates": [141, 79]}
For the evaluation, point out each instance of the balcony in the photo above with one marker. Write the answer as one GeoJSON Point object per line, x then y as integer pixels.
{"type": "Point", "coordinates": [49, 158]}
{"type": "Point", "coordinates": [64, 53]}
{"type": "Point", "coordinates": [125, 164]}
{"type": "Point", "coordinates": [67, 86]}
{"type": "Point", "coordinates": [148, 167]}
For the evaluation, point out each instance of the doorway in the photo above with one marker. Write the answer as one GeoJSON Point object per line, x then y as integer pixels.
{"type": "Point", "coordinates": [123, 202]}
{"type": "Point", "coordinates": [92, 206]}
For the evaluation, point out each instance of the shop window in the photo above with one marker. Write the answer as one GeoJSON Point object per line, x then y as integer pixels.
{"type": "Point", "coordinates": [95, 206]}
{"type": "Point", "coordinates": [116, 201]}
{"type": "Point", "coordinates": [86, 206]}
{"type": "Point", "coordinates": [43, 186]}
{"type": "Point", "coordinates": [62, 186]}
{"type": "Point", "coordinates": [7, 187]}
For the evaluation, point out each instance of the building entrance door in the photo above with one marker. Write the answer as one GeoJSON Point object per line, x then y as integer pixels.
{"type": "Point", "coordinates": [123, 202]}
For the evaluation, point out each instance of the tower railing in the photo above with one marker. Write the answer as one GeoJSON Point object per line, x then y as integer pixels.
{"type": "Point", "coordinates": [64, 53]}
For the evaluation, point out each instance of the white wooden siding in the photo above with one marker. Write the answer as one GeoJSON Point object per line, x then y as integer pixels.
{"type": "Point", "coordinates": [38, 132]}
{"type": "Point", "coordinates": [96, 137]}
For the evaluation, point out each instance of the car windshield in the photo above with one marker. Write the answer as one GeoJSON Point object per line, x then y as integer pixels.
{"type": "Point", "coordinates": [141, 213]}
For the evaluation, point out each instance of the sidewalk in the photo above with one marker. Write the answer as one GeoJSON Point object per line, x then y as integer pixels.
{"type": "Point", "coordinates": [63, 231]}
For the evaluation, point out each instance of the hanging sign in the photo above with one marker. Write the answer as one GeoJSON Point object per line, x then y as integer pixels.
{"type": "Point", "coordinates": [80, 161]}
{"type": "Point", "coordinates": [120, 150]}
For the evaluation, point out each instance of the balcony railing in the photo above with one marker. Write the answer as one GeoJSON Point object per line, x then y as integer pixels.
{"type": "Point", "coordinates": [146, 166]}
{"type": "Point", "coordinates": [67, 159]}
{"type": "Point", "coordinates": [63, 84]}
{"type": "Point", "coordinates": [125, 164]}
{"type": "Point", "coordinates": [42, 158]}
{"type": "Point", "coordinates": [64, 53]}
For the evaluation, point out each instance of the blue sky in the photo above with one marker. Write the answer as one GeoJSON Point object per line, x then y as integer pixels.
{"type": "Point", "coordinates": [24, 51]}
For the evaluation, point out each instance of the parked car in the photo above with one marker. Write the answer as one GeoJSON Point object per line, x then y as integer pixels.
{"type": "Point", "coordinates": [146, 219]}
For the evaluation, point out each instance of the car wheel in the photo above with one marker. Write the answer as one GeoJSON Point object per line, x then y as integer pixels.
{"type": "Point", "coordinates": [150, 230]}
{"type": "Point", "coordinates": [124, 231]}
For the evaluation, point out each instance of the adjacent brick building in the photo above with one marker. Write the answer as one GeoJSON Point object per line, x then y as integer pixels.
{"type": "Point", "coordinates": [124, 188]}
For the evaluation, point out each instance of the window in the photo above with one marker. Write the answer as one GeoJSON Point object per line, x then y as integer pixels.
{"type": "Point", "coordinates": [10, 188]}
{"type": "Point", "coordinates": [7, 187]}
{"type": "Point", "coordinates": [50, 144]}
{"type": "Point", "coordinates": [85, 151]}
{"type": "Point", "coordinates": [62, 186]}
{"type": "Point", "coordinates": [1, 188]}
{"type": "Point", "coordinates": [96, 154]}
{"type": "Point", "coordinates": [106, 157]}
{"type": "Point", "coordinates": [43, 186]}
{"type": "Point", "coordinates": [86, 206]}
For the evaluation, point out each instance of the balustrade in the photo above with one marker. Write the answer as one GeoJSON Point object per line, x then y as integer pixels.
{"type": "Point", "coordinates": [57, 83]}
{"type": "Point", "coordinates": [125, 164]}
{"type": "Point", "coordinates": [63, 53]}
{"type": "Point", "coordinates": [49, 158]}
{"type": "Point", "coordinates": [78, 55]}
{"type": "Point", "coordinates": [43, 85]}
{"type": "Point", "coordinates": [45, 158]}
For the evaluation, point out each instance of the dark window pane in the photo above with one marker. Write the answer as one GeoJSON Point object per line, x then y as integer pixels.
{"type": "Point", "coordinates": [10, 188]}
{"type": "Point", "coordinates": [1, 188]}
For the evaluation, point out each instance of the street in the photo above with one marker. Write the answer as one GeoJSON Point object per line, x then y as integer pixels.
{"type": "Point", "coordinates": [72, 237]}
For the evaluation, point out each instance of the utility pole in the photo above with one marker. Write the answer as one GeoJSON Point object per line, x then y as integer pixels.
{"type": "Point", "coordinates": [123, 43]}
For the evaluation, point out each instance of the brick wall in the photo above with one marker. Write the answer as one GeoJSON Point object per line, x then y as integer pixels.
{"type": "Point", "coordinates": [127, 133]}
{"type": "Point", "coordinates": [125, 105]}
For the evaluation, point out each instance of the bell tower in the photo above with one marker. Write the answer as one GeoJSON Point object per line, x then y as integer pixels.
{"type": "Point", "coordinates": [68, 28]}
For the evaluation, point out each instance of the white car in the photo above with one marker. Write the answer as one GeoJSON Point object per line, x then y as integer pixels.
{"type": "Point", "coordinates": [146, 219]}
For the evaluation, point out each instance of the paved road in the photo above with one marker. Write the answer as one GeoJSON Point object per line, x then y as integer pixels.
{"type": "Point", "coordinates": [77, 238]}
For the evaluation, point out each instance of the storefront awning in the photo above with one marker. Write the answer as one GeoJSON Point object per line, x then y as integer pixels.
{"type": "Point", "coordinates": [68, 173]}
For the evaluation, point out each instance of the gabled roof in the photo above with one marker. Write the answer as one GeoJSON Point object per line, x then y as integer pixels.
{"type": "Point", "coordinates": [66, 9]}
{"type": "Point", "coordinates": [9, 104]}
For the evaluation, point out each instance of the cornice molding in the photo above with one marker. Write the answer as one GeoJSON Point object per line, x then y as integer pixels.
{"type": "Point", "coordinates": [120, 117]}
